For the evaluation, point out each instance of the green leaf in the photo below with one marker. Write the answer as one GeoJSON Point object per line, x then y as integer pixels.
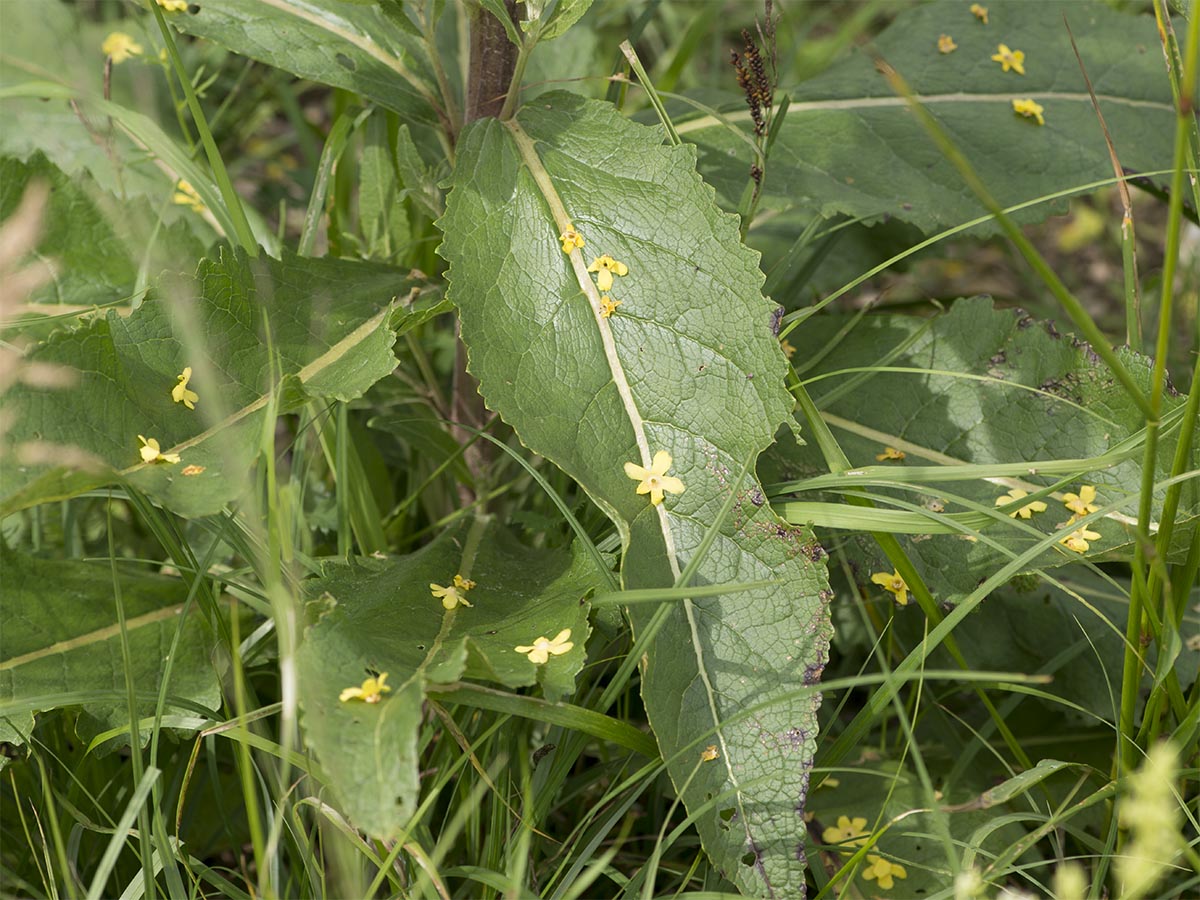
{"type": "Point", "coordinates": [984, 387]}
{"type": "Point", "coordinates": [382, 217]}
{"type": "Point", "coordinates": [896, 171]}
{"type": "Point", "coordinates": [309, 328]}
{"type": "Point", "coordinates": [688, 364]}
{"type": "Point", "coordinates": [564, 14]}
{"type": "Point", "coordinates": [379, 616]}
{"type": "Point", "coordinates": [62, 647]}
{"type": "Point", "coordinates": [357, 47]}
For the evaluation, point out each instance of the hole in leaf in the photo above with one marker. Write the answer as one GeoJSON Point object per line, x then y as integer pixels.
{"type": "Point", "coordinates": [727, 813]}
{"type": "Point", "coordinates": [748, 859]}
{"type": "Point", "coordinates": [420, 646]}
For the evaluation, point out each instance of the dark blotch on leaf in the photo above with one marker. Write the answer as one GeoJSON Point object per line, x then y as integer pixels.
{"type": "Point", "coordinates": [346, 62]}
{"type": "Point", "coordinates": [776, 320]}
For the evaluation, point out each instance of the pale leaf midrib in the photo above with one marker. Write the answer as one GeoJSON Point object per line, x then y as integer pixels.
{"type": "Point", "coordinates": [92, 637]}
{"type": "Point", "coordinates": [563, 222]}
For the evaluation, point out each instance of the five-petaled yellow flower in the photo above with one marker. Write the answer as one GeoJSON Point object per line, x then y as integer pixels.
{"type": "Point", "coordinates": [1030, 109]}
{"type": "Point", "coordinates": [608, 305]}
{"type": "Point", "coordinates": [605, 268]}
{"type": "Point", "coordinates": [186, 195]}
{"type": "Point", "coordinates": [452, 596]}
{"type": "Point", "coordinates": [180, 393]}
{"type": "Point", "coordinates": [1079, 539]}
{"type": "Point", "coordinates": [173, 5]}
{"type": "Point", "coordinates": [655, 479]}
{"type": "Point", "coordinates": [946, 44]}
{"type": "Point", "coordinates": [889, 453]}
{"type": "Point", "coordinates": [120, 47]}
{"type": "Point", "coordinates": [1025, 511]}
{"type": "Point", "coordinates": [884, 870]}
{"type": "Point", "coordinates": [979, 12]}
{"type": "Point", "coordinates": [372, 690]}
{"type": "Point", "coordinates": [543, 648]}
{"type": "Point", "coordinates": [1081, 504]}
{"type": "Point", "coordinates": [1010, 59]}
{"type": "Point", "coordinates": [152, 453]}
{"type": "Point", "coordinates": [848, 833]}
{"type": "Point", "coordinates": [893, 584]}
{"type": "Point", "coordinates": [571, 240]}
{"type": "Point", "coordinates": [710, 753]}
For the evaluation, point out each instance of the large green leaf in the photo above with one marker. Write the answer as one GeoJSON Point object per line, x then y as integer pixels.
{"type": "Point", "coordinates": [849, 145]}
{"type": "Point", "coordinates": [359, 47]}
{"type": "Point", "coordinates": [982, 386]}
{"type": "Point", "coordinates": [310, 328]}
{"type": "Point", "coordinates": [688, 364]}
{"type": "Point", "coordinates": [61, 646]}
{"type": "Point", "coordinates": [379, 616]}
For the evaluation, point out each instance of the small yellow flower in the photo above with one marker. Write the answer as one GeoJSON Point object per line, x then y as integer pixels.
{"type": "Point", "coordinates": [946, 44]}
{"type": "Point", "coordinates": [372, 690]}
{"type": "Point", "coordinates": [192, 470]}
{"type": "Point", "coordinates": [1030, 109]}
{"type": "Point", "coordinates": [1078, 540]}
{"type": "Point", "coordinates": [173, 5]}
{"type": "Point", "coordinates": [543, 648]}
{"type": "Point", "coordinates": [1025, 511]}
{"type": "Point", "coordinates": [571, 240]}
{"type": "Point", "coordinates": [608, 305]}
{"type": "Point", "coordinates": [1081, 504]}
{"type": "Point", "coordinates": [605, 267]}
{"type": "Point", "coordinates": [788, 350]}
{"type": "Point", "coordinates": [893, 584]}
{"type": "Point", "coordinates": [120, 47]}
{"type": "Point", "coordinates": [463, 584]}
{"type": "Point", "coordinates": [655, 479]}
{"type": "Point", "coordinates": [180, 393]}
{"type": "Point", "coordinates": [831, 782]}
{"type": "Point", "coordinates": [710, 753]}
{"type": "Point", "coordinates": [979, 12]}
{"type": "Point", "coordinates": [889, 453]}
{"type": "Point", "coordinates": [1010, 59]}
{"type": "Point", "coordinates": [884, 870]}
{"type": "Point", "coordinates": [450, 596]}
{"type": "Point", "coordinates": [849, 833]}
{"type": "Point", "coordinates": [186, 195]}
{"type": "Point", "coordinates": [152, 453]}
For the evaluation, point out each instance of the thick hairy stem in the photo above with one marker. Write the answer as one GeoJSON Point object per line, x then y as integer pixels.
{"type": "Point", "coordinates": [493, 59]}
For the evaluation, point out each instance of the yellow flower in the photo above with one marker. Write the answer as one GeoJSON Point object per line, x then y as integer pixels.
{"type": "Point", "coordinates": [608, 305]}
{"type": "Point", "coordinates": [889, 453]}
{"type": "Point", "coordinates": [450, 596]}
{"type": "Point", "coordinates": [979, 12]}
{"type": "Point", "coordinates": [372, 690]}
{"type": "Point", "coordinates": [1030, 109]}
{"type": "Point", "coordinates": [192, 470]}
{"type": "Point", "coordinates": [1081, 504]}
{"type": "Point", "coordinates": [605, 267]}
{"type": "Point", "coordinates": [180, 393]}
{"type": "Point", "coordinates": [173, 5]}
{"type": "Point", "coordinates": [463, 584]}
{"type": "Point", "coordinates": [788, 350]}
{"type": "Point", "coordinates": [1025, 511]}
{"type": "Point", "coordinates": [849, 833]}
{"type": "Point", "coordinates": [571, 240]}
{"type": "Point", "coordinates": [152, 453]}
{"type": "Point", "coordinates": [186, 195]}
{"type": "Point", "coordinates": [1078, 540]}
{"type": "Point", "coordinates": [543, 648]}
{"type": "Point", "coordinates": [946, 44]}
{"type": "Point", "coordinates": [893, 584]}
{"type": "Point", "coordinates": [883, 869]}
{"type": "Point", "coordinates": [120, 47]}
{"type": "Point", "coordinates": [655, 479]}
{"type": "Point", "coordinates": [1010, 59]}
{"type": "Point", "coordinates": [710, 753]}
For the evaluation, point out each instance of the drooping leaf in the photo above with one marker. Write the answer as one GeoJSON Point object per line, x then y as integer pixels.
{"type": "Point", "coordinates": [359, 47]}
{"type": "Point", "coordinates": [380, 616]}
{"type": "Point", "coordinates": [849, 145]}
{"type": "Point", "coordinates": [982, 386]}
{"type": "Point", "coordinates": [311, 328]}
{"type": "Point", "coordinates": [61, 645]}
{"type": "Point", "coordinates": [687, 364]}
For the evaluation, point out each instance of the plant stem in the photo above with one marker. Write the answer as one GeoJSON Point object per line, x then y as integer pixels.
{"type": "Point", "coordinates": [493, 64]}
